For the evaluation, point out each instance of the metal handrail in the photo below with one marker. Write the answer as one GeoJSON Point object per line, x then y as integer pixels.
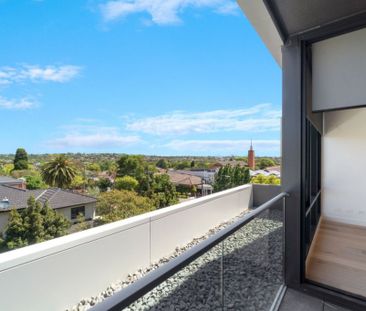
{"type": "Point", "coordinates": [136, 290]}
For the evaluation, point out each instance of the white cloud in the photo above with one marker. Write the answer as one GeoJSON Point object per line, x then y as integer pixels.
{"type": "Point", "coordinates": [35, 73]}
{"type": "Point", "coordinates": [222, 145]}
{"type": "Point", "coordinates": [162, 12]}
{"type": "Point", "coordinates": [17, 104]}
{"type": "Point", "coordinates": [91, 136]}
{"type": "Point", "coordinates": [259, 118]}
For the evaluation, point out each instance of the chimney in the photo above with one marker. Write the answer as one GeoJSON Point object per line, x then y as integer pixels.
{"type": "Point", "coordinates": [4, 203]}
{"type": "Point", "coordinates": [251, 156]}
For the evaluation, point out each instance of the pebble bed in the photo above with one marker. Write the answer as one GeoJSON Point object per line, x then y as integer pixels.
{"type": "Point", "coordinates": [243, 272]}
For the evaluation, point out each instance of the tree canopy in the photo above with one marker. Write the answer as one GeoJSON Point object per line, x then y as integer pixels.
{"type": "Point", "coordinates": [35, 182]}
{"type": "Point", "coordinates": [116, 205]}
{"type": "Point", "coordinates": [265, 162]}
{"type": "Point", "coordinates": [34, 224]}
{"type": "Point", "coordinates": [60, 172]}
{"type": "Point", "coordinates": [126, 183]}
{"type": "Point", "coordinates": [21, 159]}
{"type": "Point", "coordinates": [228, 177]}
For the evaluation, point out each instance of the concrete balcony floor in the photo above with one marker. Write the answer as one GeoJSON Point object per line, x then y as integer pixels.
{"type": "Point", "coordinates": [295, 300]}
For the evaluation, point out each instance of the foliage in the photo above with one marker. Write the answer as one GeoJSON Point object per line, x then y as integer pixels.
{"type": "Point", "coordinates": [78, 182]}
{"type": "Point", "coordinates": [109, 166]}
{"type": "Point", "coordinates": [21, 159]}
{"type": "Point", "coordinates": [131, 165]}
{"type": "Point", "coordinates": [267, 180]}
{"type": "Point", "coordinates": [8, 168]}
{"type": "Point", "coordinates": [95, 167]}
{"type": "Point", "coordinates": [60, 172]}
{"type": "Point", "coordinates": [81, 224]}
{"type": "Point", "coordinates": [23, 173]}
{"type": "Point", "coordinates": [93, 191]}
{"type": "Point", "coordinates": [162, 163]}
{"type": "Point", "coordinates": [35, 182]}
{"type": "Point", "coordinates": [126, 183]}
{"type": "Point", "coordinates": [181, 165]}
{"type": "Point", "coordinates": [116, 205]}
{"type": "Point", "coordinates": [265, 162]}
{"type": "Point", "coordinates": [104, 184]}
{"type": "Point", "coordinates": [33, 225]}
{"type": "Point", "coordinates": [15, 231]}
{"type": "Point", "coordinates": [228, 177]}
{"type": "Point", "coordinates": [164, 192]}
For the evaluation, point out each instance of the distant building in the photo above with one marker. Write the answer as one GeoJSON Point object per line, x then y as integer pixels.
{"type": "Point", "coordinates": [65, 202]}
{"type": "Point", "coordinates": [207, 175]}
{"type": "Point", "coordinates": [251, 157]}
{"type": "Point", "coordinates": [217, 165]}
{"type": "Point", "coordinates": [12, 182]}
{"type": "Point", "coordinates": [187, 180]}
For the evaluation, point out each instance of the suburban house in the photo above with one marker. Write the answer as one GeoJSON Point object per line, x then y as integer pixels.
{"type": "Point", "coordinates": [67, 203]}
{"type": "Point", "coordinates": [208, 175]}
{"type": "Point", "coordinates": [13, 182]}
{"type": "Point", "coordinates": [185, 179]}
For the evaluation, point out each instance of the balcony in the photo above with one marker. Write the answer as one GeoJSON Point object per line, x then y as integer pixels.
{"type": "Point", "coordinates": [238, 262]}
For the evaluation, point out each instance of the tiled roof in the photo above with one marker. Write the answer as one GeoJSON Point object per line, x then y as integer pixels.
{"type": "Point", "coordinates": [184, 179]}
{"type": "Point", "coordinates": [57, 198]}
{"type": "Point", "coordinates": [8, 180]}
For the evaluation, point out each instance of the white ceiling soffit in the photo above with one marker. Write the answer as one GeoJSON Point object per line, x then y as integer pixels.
{"type": "Point", "coordinates": [257, 14]}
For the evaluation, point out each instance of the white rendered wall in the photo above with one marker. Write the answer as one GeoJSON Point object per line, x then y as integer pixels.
{"type": "Point", "coordinates": [339, 71]}
{"type": "Point", "coordinates": [343, 166]}
{"type": "Point", "coordinates": [57, 274]}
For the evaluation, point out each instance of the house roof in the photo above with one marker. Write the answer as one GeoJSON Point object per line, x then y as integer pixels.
{"type": "Point", "coordinates": [56, 198]}
{"type": "Point", "coordinates": [9, 180]}
{"type": "Point", "coordinates": [184, 179]}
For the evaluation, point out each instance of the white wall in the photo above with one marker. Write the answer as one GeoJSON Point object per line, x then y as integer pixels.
{"type": "Point", "coordinates": [339, 71]}
{"type": "Point", "coordinates": [57, 274]}
{"type": "Point", "coordinates": [343, 166]}
{"type": "Point", "coordinates": [89, 211]}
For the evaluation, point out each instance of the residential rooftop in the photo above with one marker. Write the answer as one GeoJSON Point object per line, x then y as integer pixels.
{"type": "Point", "coordinates": [56, 197]}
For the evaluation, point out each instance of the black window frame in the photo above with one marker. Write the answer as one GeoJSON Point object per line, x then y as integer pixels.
{"type": "Point", "coordinates": [79, 210]}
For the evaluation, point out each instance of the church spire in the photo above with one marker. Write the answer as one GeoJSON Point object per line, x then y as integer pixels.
{"type": "Point", "coordinates": [251, 156]}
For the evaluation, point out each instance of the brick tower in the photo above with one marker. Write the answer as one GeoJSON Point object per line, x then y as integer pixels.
{"type": "Point", "coordinates": [251, 157]}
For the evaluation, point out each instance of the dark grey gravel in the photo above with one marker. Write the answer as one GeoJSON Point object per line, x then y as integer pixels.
{"type": "Point", "coordinates": [243, 272]}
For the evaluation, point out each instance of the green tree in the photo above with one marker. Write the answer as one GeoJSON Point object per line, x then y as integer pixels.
{"type": "Point", "coordinates": [164, 192]}
{"type": "Point", "coordinates": [131, 165]}
{"type": "Point", "coordinates": [104, 184]}
{"type": "Point", "coordinates": [228, 177]}
{"type": "Point", "coordinates": [15, 233]}
{"type": "Point", "coordinates": [21, 159]}
{"type": "Point", "coordinates": [95, 167]}
{"type": "Point", "coordinates": [78, 182]}
{"type": "Point", "coordinates": [162, 163]}
{"type": "Point", "coordinates": [116, 205]}
{"type": "Point", "coordinates": [265, 162]}
{"type": "Point", "coordinates": [35, 182]}
{"type": "Point", "coordinates": [81, 223]}
{"type": "Point", "coordinates": [34, 224]}
{"type": "Point", "coordinates": [266, 180]}
{"type": "Point", "coordinates": [60, 172]}
{"type": "Point", "coordinates": [126, 183]}
{"type": "Point", "coordinates": [33, 221]}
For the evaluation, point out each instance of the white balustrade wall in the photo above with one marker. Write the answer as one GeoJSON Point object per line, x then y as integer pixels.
{"type": "Point", "coordinates": [57, 274]}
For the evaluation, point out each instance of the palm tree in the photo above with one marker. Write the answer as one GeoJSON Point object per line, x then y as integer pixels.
{"type": "Point", "coordinates": [60, 172]}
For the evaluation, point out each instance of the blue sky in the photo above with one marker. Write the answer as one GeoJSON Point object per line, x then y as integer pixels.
{"type": "Point", "coordinates": [163, 77]}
